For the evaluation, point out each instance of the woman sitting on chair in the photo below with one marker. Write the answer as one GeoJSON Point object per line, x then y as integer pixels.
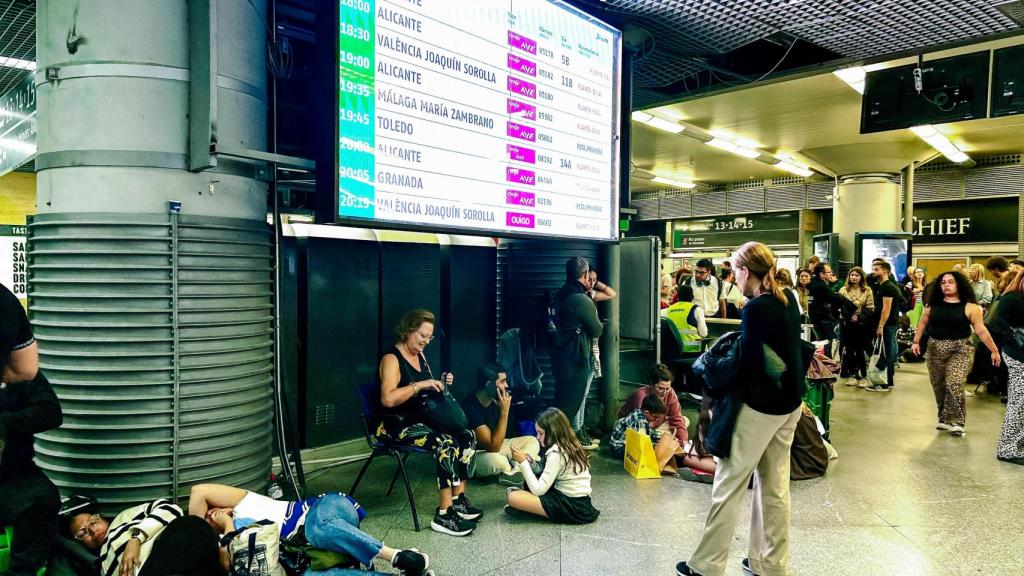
{"type": "Point", "coordinates": [404, 377]}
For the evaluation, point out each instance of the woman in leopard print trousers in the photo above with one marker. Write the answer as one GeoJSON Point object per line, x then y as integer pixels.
{"type": "Point", "coordinates": [949, 316]}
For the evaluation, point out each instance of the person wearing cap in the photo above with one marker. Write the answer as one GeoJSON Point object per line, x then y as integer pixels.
{"type": "Point", "coordinates": [29, 502]}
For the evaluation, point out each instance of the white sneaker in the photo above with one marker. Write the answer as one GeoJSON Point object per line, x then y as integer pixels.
{"type": "Point", "coordinates": [957, 430]}
{"type": "Point", "coordinates": [851, 381]}
{"type": "Point", "coordinates": [942, 426]}
{"type": "Point", "coordinates": [863, 383]}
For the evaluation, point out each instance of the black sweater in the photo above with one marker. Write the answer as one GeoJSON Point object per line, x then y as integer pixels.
{"type": "Point", "coordinates": [767, 321]}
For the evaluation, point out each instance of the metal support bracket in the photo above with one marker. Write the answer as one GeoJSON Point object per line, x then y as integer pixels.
{"type": "Point", "coordinates": [202, 92]}
{"type": "Point", "coordinates": [280, 160]}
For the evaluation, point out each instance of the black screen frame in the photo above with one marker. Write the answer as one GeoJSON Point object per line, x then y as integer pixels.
{"type": "Point", "coordinates": [327, 135]}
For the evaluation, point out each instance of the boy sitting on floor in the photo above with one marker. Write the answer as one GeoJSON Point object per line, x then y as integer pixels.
{"type": "Point", "coordinates": [642, 419]}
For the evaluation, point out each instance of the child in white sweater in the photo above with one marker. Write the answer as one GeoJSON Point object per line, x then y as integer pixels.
{"type": "Point", "coordinates": [562, 492]}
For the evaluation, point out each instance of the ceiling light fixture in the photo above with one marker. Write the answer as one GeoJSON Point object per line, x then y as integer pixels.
{"type": "Point", "coordinates": [936, 140]}
{"type": "Point", "coordinates": [659, 123]}
{"type": "Point", "coordinates": [789, 164]}
{"type": "Point", "coordinates": [17, 63]}
{"type": "Point", "coordinates": [729, 146]}
{"type": "Point", "coordinates": [856, 76]}
{"type": "Point", "coordinates": [672, 182]}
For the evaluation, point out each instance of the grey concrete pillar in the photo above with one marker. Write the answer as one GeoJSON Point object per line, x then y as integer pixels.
{"type": "Point", "coordinates": [864, 203]}
{"type": "Point", "coordinates": [154, 325]}
{"type": "Point", "coordinates": [113, 107]}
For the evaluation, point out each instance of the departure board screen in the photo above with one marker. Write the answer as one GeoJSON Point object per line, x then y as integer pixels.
{"type": "Point", "coordinates": [487, 116]}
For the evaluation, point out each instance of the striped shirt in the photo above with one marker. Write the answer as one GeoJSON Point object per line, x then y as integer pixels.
{"type": "Point", "coordinates": [143, 522]}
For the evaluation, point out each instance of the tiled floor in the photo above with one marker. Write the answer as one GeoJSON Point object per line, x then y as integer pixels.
{"type": "Point", "coordinates": [902, 500]}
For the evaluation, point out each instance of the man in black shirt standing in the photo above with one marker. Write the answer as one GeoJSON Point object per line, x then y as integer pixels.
{"type": "Point", "coordinates": [887, 297]}
{"type": "Point", "coordinates": [823, 305]}
{"type": "Point", "coordinates": [28, 500]}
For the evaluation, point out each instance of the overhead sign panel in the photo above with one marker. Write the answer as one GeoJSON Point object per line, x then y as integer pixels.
{"type": "Point", "coordinates": [496, 116]}
{"type": "Point", "coordinates": [18, 125]}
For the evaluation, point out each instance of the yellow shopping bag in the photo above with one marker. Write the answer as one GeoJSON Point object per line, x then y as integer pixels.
{"type": "Point", "coordinates": [639, 460]}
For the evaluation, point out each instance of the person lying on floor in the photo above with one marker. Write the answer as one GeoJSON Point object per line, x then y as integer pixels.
{"type": "Point", "coordinates": [331, 522]}
{"type": "Point", "coordinates": [146, 540]}
{"type": "Point", "coordinates": [562, 492]}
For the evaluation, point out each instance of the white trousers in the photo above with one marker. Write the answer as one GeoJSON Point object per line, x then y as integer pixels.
{"type": "Point", "coordinates": [485, 464]}
{"type": "Point", "coordinates": [760, 447]}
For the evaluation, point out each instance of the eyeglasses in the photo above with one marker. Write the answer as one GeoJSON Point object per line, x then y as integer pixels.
{"type": "Point", "coordinates": [86, 530]}
{"type": "Point", "coordinates": [425, 339]}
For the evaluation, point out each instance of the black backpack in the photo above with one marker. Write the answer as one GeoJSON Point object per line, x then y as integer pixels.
{"type": "Point", "coordinates": [906, 303]}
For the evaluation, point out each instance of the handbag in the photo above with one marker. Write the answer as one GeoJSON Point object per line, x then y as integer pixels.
{"type": "Point", "coordinates": [876, 375]}
{"type": "Point", "coordinates": [255, 549]}
{"type": "Point", "coordinates": [440, 410]}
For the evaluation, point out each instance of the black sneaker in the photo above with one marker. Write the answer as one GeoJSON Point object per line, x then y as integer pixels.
{"type": "Point", "coordinates": [411, 562]}
{"type": "Point", "coordinates": [465, 509]}
{"type": "Point", "coordinates": [683, 570]}
{"type": "Point", "coordinates": [516, 513]}
{"type": "Point", "coordinates": [745, 563]}
{"type": "Point", "coordinates": [586, 441]}
{"type": "Point", "coordinates": [879, 388]}
{"type": "Point", "coordinates": [451, 523]}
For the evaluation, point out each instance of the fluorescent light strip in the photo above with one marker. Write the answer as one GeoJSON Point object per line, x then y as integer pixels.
{"type": "Point", "coordinates": [794, 168]}
{"type": "Point", "coordinates": [659, 123]}
{"type": "Point", "coordinates": [936, 140]}
{"type": "Point", "coordinates": [671, 182]}
{"type": "Point", "coordinates": [856, 76]}
{"type": "Point", "coordinates": [728, 146]}
{"type": "Point", "coordinates": [17, 63]}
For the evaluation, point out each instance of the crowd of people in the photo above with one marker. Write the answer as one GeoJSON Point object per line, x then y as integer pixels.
{"type": "Point", "coordinates": [752, 429]}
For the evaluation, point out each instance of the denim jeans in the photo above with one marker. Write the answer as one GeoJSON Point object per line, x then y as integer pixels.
{"type": "Point", "coordinates": [332, 523]}
{"type": "Point", "coordinates": [891, 351]}
{"type": "Point", "coordinates": [577, 419]}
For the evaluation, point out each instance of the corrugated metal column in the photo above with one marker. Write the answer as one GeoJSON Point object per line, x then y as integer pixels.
{"type": "Point", "coordinates": [154, 323]}
{"type": "Point", "coordinates": [610, 339]}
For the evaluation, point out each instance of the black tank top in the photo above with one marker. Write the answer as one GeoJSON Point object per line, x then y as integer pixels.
{"type": "Point", "coordinates": [948, 321]}
{"type": "Point", "coordinates": [407, 376]}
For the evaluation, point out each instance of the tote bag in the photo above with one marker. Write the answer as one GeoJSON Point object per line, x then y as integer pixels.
{"type": "Point", "coordinates": [639, 459]}
{"type": "Point", "coordinates": [876, 375]}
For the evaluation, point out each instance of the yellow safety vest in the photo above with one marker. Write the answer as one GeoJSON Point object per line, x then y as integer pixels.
{"type": "Point", "coordinates": [678, 313]}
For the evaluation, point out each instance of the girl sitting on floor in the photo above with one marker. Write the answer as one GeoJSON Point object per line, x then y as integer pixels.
{"type": "Point", "coordinates": [562, 492]}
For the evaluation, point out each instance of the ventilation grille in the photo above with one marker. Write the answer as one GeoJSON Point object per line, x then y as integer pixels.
{"type": "Point", "coordinates": [647, 208]}
{"type": "Point", "coordinates": [746, 185]}
{"type": "Point", "coordinates": [932, 186]}
{"type": "Point", "coordinates": [708, 204]}
{"type": "Point", "coordinates": [787, 180]}
{"type": "Point", "coordinates": [1014, 9]}
{"type": "Point", "coordinates": [746, 201]}
{"type": "Point", "coordinates": [996, 181]}
{"type": "Point", "coordinates": [678, 207]}
{"type": "Point", "coordinates": [819, 195]}
{"type": "Point", "coordinates": [785, 198]}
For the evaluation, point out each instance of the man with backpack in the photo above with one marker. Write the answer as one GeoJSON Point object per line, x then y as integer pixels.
{"type": "Point", "coordinates": [823, 305]}
{"type": "Point", "coordinates": [577, 326]}
{"type": "Point", "coordinates": [707, 289]}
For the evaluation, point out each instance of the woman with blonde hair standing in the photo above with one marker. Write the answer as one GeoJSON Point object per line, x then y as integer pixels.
{"type": "Point", "coordinates": [854, 332]}
{"type": "Point", "coordinates": [764, 426]}
{"type": "Point", "coordinates": [982, 287]}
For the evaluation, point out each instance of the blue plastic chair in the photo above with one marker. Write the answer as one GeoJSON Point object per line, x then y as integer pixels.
{"type": "Point", "coordinates": [369, 397]}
